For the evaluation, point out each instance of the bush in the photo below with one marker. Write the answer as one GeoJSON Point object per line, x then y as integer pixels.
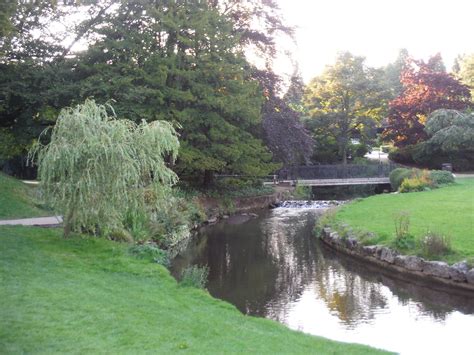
{"type": "Point", "coordinates": [403, 155]}
{"type": "Point", "coordinates": [441, 177]}
{"type": "Point", "coordinates": [386, 148]}
{"type": "Point", "coordinates": [195, 276]}
{"type": "Point", "coordinates": [403, 238]}
{"type": "Point", "coordinates": [434, 244]}
{"type": "Point", "coordinates": [151, 253]}
{"type": "Point", "coordinates": [398, 175]}
{"type": "Point", "coordinates": [417, 183]}
{"type": "Point", "coordinates": [425, 156]}
{"type": "Point", "coordinates": [302, 192]}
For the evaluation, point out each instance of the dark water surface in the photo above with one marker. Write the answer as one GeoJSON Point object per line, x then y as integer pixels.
{"type": "Point", "coordinates": [272, 266]}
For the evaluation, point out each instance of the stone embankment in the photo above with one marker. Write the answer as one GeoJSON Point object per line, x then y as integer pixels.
{"type": "Point", "coordinates": [243, 205]}
{"type": "Point", "coordinates": [458, 275]}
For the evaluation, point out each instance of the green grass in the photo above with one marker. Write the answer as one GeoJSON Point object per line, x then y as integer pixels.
{"type": "Point", "coordinates": [88, 295]}
{"type": "Point", "coordinates": [448, 210]}
{"type": "Point", "coordinates": [17, 200]}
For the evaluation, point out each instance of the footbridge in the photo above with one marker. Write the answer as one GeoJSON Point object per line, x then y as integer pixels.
{"type": "Point", "coordinates": [335, 175]}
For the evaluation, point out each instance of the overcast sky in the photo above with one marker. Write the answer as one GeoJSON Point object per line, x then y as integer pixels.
{"type": "Point", "coordinates": [376, 29]}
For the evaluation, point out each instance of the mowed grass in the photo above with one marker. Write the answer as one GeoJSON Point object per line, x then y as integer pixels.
{"type": "Point", "coordinates": [448, 210]}
{"type": "Point", "coordinates": [17, 200]}
{"type": "Point", "coordinates": [87, 295]}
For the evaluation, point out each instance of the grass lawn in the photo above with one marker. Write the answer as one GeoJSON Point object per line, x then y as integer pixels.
{"type": "Point", "coordinates": [17, 200]}
{"type": "Point", "coordinates": [448, 210]}
{"type": "Point", "coordinates": [87, 295]}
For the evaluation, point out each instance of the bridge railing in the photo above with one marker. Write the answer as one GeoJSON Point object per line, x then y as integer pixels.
{"type": "Point", "coordinates": [338, 171]}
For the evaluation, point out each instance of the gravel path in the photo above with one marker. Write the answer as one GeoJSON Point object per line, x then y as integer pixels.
{"type": "Point", "coordinates": [39, 221]}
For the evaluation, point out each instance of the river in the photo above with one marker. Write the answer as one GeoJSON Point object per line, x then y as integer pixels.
{"type": "Point", "coordinates": [272, 266]}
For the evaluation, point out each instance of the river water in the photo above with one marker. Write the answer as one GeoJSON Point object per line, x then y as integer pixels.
{"type": "Point", "coordinates": [272, 266]}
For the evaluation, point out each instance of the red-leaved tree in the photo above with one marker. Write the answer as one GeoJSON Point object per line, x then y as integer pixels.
{"type": "Point", "coordinates": [426, 88]}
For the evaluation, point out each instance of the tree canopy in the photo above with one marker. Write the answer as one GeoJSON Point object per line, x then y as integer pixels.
{"type": "Point", "coordinates": [450, 131]}
{"type": "Point", "coordinates": [182, 61]}
{"type": "Point", "coordinates": [426, 88]}
{"type": "Point", "coordinates": [96, 168]}
{"type": "Point", "coordinates": [345, 102]}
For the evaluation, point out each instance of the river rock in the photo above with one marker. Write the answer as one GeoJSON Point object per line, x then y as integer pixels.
{"type": "Point", "coordinates": [437, 268]}
{"type": "Point", "coordinates": [388, 255]}
{"type": "Point", "coordinates": [458, 271]}
{"type": "Point", "coordinates": [470, 276]}
{"type": "Point", "coordinates": [461, 266]}
{"type": "Point", "coordinates": [370, 250]}
{"type": "Point", "coordinates": [351, 243]}
{"type": "Point", "coordinates": [409, 262]}
{"type": "Point", "coordinates": [457, 275]}
{"type": "Point", "coordinates": [212, 220]}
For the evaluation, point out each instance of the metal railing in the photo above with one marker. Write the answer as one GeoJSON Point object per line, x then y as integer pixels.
{"type": "Point", "coordinates": [340, 171]}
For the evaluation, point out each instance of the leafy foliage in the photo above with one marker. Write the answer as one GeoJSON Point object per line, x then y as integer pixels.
{"type": "Point", "coordinates": [398, 175]}
{"type": "Point", "coordinates": [184, 63]}
{"type": "Point", "coordinates": [426, 88]}
{"type": "Point", "coordinates": [466, 71]}
{"type": "Point", "coordinates": [403, 239]}
{"type": "Point", "coordinates": [283, 131]}
{"type": "Point", "coordinates": [434, 244]}
{"type": "Point", "coordinates": [195, 276]}
{"type": "Point", "coordinates": [151, 253]}
{"type": "Point", "coordinates": [344, 103]}
{"type": "Point", "coordinates": [450, 131]}
{"type": "Point", "coordinates": [97, 168]}
{"type": "Point", "coordinates": [416, 183]}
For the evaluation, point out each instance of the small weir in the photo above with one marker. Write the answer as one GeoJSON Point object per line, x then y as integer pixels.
{"type": "Point", "coordinates": [310, 204]}
{"type": "Point", "coordinates": [272, 266]}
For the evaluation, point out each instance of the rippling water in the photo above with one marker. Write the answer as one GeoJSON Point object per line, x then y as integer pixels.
{"type": "Point", "coordinates": [272, 266]}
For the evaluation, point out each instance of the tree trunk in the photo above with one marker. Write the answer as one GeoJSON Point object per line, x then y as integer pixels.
{"type": "Point", "coordinates": [208, 178]}
{"type": "Point", "coordinates": [68, 222]}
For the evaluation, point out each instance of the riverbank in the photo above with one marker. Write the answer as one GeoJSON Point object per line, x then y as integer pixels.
{"type": "Point", "coordinates": [88, 294]}
{"type": "Point", "coordinates": [414, 234]}
{"type": "Point", "coordinates": [448, 211]}
{"type": "Point", "coordinates": [217, 208]}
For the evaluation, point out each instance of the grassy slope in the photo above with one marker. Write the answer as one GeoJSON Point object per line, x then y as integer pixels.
{"type": "Point", "coordinates": [16, 199]}
{"type": "Point", "coordinates": [449, 210]}
{"type": "Point", "coordinates": [88, 295]}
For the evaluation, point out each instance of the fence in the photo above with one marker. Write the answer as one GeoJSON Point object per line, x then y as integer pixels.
{"type": "Point", "coordinates": [336, 171]}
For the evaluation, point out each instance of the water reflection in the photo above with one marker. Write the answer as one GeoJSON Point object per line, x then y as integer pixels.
{"type": "Point", "coordinates": [271, 266]}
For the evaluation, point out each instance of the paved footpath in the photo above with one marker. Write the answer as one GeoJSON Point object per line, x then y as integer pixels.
{"type": "Point", "coordinates": [39, 221]}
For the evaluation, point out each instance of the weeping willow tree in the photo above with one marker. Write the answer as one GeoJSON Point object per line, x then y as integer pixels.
{"type": "Point", "coordinates": [97, 168]}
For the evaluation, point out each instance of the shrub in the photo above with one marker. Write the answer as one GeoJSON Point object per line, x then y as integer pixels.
{"type": "Point", "coordinates": [398, 175]}
{"type": "Point", "coordinates": [434, 244]}
{"type": "Point", "coordinates": [403, 238]}
{"type": "Point", "coordinates": [386, 148]}
{"type": "Point", "coordinates": [441, 177]}
{"type": "Point", "coordinates": [151, 253]}
{"type": "Point", "coordinates": [302, 192]}
{"type": "Point", "coordinates": [417, 183]}
{"type": "Point", "coordinates": [195, 276]}
{"type": "Point", "coordinates": [403, 155]}
{"type": "Point", "coordinates": [121, 235]}
{"type": "Point", "coordinates": [135, 222]}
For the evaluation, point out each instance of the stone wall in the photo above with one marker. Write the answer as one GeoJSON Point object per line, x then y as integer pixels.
{"type": "Point", "coordinates": [458, 275]}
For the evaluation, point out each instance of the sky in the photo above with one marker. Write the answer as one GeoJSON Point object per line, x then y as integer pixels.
{"type": "Point", "coordinates": [375, 29]}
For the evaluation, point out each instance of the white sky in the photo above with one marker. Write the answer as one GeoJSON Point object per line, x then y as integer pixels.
{"type": "Point", "coordinates": [376, 29]}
